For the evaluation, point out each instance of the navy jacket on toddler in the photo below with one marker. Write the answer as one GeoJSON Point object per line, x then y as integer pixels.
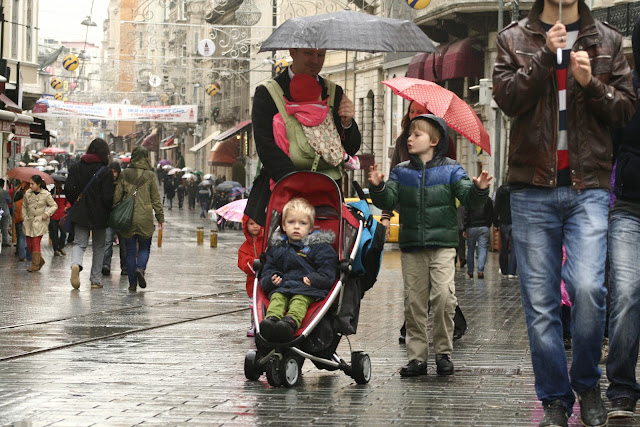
{"type": "Point", "coordinates": [313, 257]}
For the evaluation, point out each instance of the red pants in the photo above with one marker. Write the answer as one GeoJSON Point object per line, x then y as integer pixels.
{"type": "Point", "coordinates": [33, 243]}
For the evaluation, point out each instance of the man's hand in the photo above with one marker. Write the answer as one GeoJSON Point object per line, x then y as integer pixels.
{"type": "Point", "coordinates": [483, 181]}
{"type": "Point", "coordinates": [346, 111]}
{"type": "Point", "coordinates": [161, 225]}
{"type": "Point", "coordinates": [375, 177]}
{"type": "Point", "coordinates": [581, 67]}
{"type": "Point", "coordinates": [306, 281]}
{"type": "Point", "coordinates": [276, 279]}
{"type": "Point", "coordinates": [557, 37]}
{"type": "Point", "coordinates": [387, 224]}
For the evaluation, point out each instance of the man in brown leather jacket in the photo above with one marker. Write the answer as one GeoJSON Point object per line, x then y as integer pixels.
{"type": "Point", "coordinates": [562, 104]}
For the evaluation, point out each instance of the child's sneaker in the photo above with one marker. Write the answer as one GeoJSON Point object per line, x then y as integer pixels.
{"type": "Point", "coordinates": [252, 330]}
{"type": "Point", "coordinates": [268, 328]}
{"type": "Point", "coordinates": [285, 329]}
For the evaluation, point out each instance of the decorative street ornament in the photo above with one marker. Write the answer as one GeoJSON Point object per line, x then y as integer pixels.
{"type": "Point", "coordinates": [70, 62]}
{"type": "Point", "coordinates": [280, 66]}
{"type": "Point", "coordinates": [206, 47]}
{"type": "Point", "coordinates": [248, 13]}
{"type": "Point", "coordinates": [57, 96]}
{"type": "Point", "coordinates": [164, 98]}
{"type": "Point", "coordinates": [154, 80]}
{"type": "Point", "coordinates": [418, 4]}
{"type": "Point", "coordinates": [56, 83]}
{"type": "Point", "coordinates": [212, 89]}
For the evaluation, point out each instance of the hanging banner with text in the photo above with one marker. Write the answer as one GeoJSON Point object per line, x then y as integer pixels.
{"type": "Point", "coordinates": [119, 112]}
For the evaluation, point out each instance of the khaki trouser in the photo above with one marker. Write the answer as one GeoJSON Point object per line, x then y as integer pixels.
{"type": "Point", "coordinates": [428, 275]}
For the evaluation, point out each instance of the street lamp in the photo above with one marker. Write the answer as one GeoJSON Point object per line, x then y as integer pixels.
{"type": "Point", "coordinates": [88, 22]}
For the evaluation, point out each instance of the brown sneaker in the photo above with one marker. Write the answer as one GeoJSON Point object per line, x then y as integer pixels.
{"type": "Point", "coordinates": [62, 252]}
{"type": "Point", "coordinates": [75, 276]}
{"type": "Point", "coordinates": [95, 285]}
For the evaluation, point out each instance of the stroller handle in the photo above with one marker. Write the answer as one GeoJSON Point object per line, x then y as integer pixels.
{"type": "Point", "coordinates": [359, 191]}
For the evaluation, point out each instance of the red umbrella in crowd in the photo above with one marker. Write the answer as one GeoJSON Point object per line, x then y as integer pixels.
{"type": "Point", "coordinates": [442, 102]}
{"type": "Point", "coordinates": [25, 174]}
{"type": "Point", "coordinates": [53, 150]}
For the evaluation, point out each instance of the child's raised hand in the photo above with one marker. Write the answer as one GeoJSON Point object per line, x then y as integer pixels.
{"type": "Point", "coordinates": [306, 281]}
{"type": "Point", "coordinates": [375, 177]}
{"type": "Point", "coordinates": [483, 180]}
{"type": "Point", "coordinates": [276, 279]}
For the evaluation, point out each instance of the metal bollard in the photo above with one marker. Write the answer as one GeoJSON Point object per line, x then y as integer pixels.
{"type": "Point", "coordinates": [200, 235]}
{"type": "Point", "coordinates": [214, 238]}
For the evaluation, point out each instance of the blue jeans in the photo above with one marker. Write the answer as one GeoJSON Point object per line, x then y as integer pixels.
{"type": "Point", "coordinates": [543, 220]}
{"type": "Point", "coordinates": [109, 240]}
{"type": "Point", "coordinates": [507, 256]}
{"type": "Point", "coordinates": [624, 284]}
{"type": "Point", "coordinates": [23, 252]}
{"type": "Point", "coordinates": [478, 235]}
{"type": "Point", "coordinates": [141, 246]}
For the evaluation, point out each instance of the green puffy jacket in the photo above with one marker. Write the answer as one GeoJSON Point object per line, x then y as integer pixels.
{"type": "Point", "coordinates": [427, 197]}
{"type": "Point", "coordinates": [147, 198]}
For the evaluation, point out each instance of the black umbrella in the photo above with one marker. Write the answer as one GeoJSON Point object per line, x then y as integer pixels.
{"type": "Point", "coordinates": [349, 30]}
{"type": "Point", "coordinates": [227, 186]}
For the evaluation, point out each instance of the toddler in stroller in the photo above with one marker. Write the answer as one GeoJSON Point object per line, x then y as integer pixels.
{"type": "Point", "coordinates": [310, 288]}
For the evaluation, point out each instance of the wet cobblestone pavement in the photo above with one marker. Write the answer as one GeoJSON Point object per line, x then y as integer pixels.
{"type": "Point", "coordinates": [173, 353]}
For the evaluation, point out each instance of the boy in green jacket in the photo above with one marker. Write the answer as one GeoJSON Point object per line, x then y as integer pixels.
{"type": "Point", "coordinates": [426, 187]}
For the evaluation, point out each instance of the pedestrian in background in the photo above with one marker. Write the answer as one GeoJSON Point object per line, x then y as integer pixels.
{"type": "Point", "coordinates": [192, 192]}
{"type": "Point", "coordinates": [559, 170]}
{"type": "Point", "coordinates": [57, 235]}
{"type": "Point", "coordinates": [91, 202]}
{"type": "Point", "coordinates": [137, 237]}
{"type": "Point", "coordinates": [203, 199]}
{"type": "Point", "coordinates": [21, 239]}
{"type": "Point", "coordinates": [169, 190]}
{"type": "Point", "coordinates": [180, 190]}
{"type": "Point", "coordinates": [502, 221]}
{"type": "Point", "coordinates": [111, 235]}
{"type": "Point", "coordinates": [247, 254]}
{"type": "Point", "coordinates": [476, 223]}
{"type": "Point", "coordinates": [5, 202]}
{"type": "Point", "coordinates": [624, 261]}
{"type": "Point", "coordinates": [37, 207]}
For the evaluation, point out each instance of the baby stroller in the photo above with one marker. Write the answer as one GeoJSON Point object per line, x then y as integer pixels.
{"type": "Point", "coordinates": [327, 320]}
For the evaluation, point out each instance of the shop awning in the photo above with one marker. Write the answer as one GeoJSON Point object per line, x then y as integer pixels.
{"type": "Point", "coordinates": [462, 60]}
{"type": "Point", "coordinates": [205, 141]}
{"type": "Point", "coordinates": [168, 143]}
{"type": "Point", "coordinates": [132, 135]}
{"type": "Point", "coordinates": [9, 105]}
{"type": "Point", "coordinates": [232, 131]}
{"type": "Point", "coordinates": [151, 142]}
{"type": "Point", "coordinates": [416, 66]}
{"type": "Point", "coordinates": [438, 61]}
{"type": "Point", "coordinates": [429, 72]}
{"type": "Point", "coordinates": [225, 153]}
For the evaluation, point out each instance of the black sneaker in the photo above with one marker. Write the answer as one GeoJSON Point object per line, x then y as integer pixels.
{"type": "Point", "coordinates": [444, 365]}
{"type": "Point", "coordinates": [268, 327]}
{"type": "Point", "coordinates": [622, 407]}
{"type": "Point", "coordinates": [285, 329]}
{"type": "Point", "coordinates": [592, 409]}
{"type": "Point", "coordinates": [414, 368]}
{"type": "Point", "coordinates": [555, 415]}
{"type": "Point", "coordinates": [140, 276]}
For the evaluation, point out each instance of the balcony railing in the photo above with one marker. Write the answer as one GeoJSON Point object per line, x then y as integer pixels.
{"type": "Point", "coordinates": [622, 16]}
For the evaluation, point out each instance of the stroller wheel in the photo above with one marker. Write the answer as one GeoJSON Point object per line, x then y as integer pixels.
{"type": "Point", "coordinates": [292, 371]}
{"type": "Point", "coordinates": [252, 370]}
{"type": "Point", "coordinates": [274, 370]}
{"type": "Point", "coordinates": [360, 367]}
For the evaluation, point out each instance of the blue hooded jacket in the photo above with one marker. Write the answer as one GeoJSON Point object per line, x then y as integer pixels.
{"type": "Point", "coordinates": [313, 257]}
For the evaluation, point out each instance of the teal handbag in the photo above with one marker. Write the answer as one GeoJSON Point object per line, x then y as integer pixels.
{"type": "Point", "coordinates": [121, 216]}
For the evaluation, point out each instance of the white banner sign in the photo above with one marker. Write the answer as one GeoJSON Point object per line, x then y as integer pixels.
{"type": "Point", "coordinates": [121, 112]}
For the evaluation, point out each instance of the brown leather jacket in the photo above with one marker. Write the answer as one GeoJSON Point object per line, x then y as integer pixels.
{"type": "Point", "coordinates": [525, 88]}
